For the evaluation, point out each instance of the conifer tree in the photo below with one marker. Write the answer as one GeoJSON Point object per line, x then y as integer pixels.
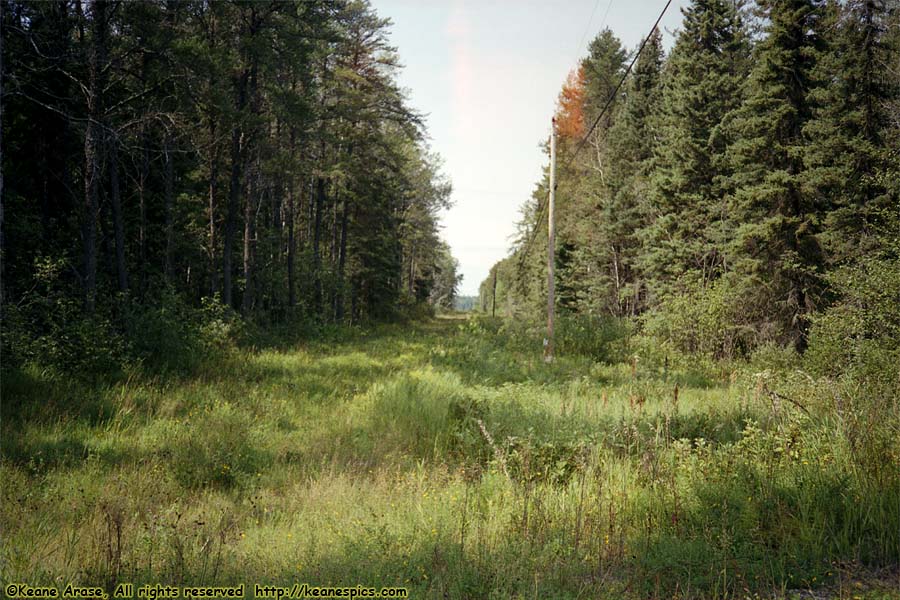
{"type": "Point", "coordinates": [632, 139]}
{"type": "Point", "coordinates": [683, 237]}
{"type": "Point", "coordinates": [846, 147]}
{"type": "Point", "coordinates": [584, 282]}
{"type": "Point", "coordinates": [774, 253]}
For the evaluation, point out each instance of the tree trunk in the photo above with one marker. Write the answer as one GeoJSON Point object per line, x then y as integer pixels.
{"type": "Point", "coordinates": [118, 218]}
{"type": "Point", "coordinates": [249, 235]}
{"type": "Point", "coordinates": [93, 146]}
{"type": "Point", "coordinates": [317, 239]}
{"type": "Point", "coordinates": [292, 287]}
{"type": "Point", "coordinates": [251, 201]}
{"type": "Point", "coordinates": [234, 191]}
{"type": "Point", "coordinates": [412, 270]}
{"type": "Point", "coordinates": [170, 204]}
{"type": "Point", "coordinates": [342, 260]}
{"type": "Point", "coordinates": [142, 210]}
{"type": "Point", "coordinates": [213, 189]}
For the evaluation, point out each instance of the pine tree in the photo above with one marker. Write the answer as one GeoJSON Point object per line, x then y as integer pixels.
{"type": "Point", "coordinates": [583, 252]}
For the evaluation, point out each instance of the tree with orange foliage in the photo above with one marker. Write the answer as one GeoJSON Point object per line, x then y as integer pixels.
{"type": "Point", "coordinates": [570, 106]}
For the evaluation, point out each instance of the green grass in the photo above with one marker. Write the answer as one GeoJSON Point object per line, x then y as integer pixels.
{"type": "Point", "coordinates": [448, 458]}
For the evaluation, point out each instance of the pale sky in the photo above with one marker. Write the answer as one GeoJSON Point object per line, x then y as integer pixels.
{"type": "Point", "coordinates": [487, 74]}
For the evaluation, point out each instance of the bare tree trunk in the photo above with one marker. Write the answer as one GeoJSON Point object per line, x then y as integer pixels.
{"type": "Point", "coordinates": [93, 145]}
{"type": "Point", "coordinates": [412, 270]}
{"type": "Point", "coordinates": [311, 208]}
{"type": "Point", "coordinates": [142, 210]}
{"type": "Point", "coordinates": [342, 260]}
{"type": "Point", "coordinates": [118, 218]}
{"type": "Point", "coordinates": [291, 245]}
{"type": "Point", "coordinates": [251, 201]}
{"type": "Point", "coordinates": [317, 239]}
{"type": "Point", "coordinates": [234, 191]}
{"type": "Point", "coordinates": [213, 189]}
{"type": "Point", "coordinates": [249, 235]}
{"type": "Point", "coordinates": [170, 204]}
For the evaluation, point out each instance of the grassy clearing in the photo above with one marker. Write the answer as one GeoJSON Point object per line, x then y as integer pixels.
{"type": "Point", "coordinates": [449, 459]}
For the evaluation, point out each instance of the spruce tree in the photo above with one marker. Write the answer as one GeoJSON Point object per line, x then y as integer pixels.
{"type": "Point", "coordinates": [846, 146]}
{"type": "Point", "coordinates": [583, 281]}
{"type": "Point", "coordinates": [701, 85]}
{"type": "Point", "coordinates": [774, 252]}
{"type": "Point", "coordinates": [632, 139]}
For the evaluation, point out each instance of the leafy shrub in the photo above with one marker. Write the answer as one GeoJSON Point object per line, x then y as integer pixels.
{"type": "Point", "coordinates": [553, 462]}
{"type": "Point", "coordinates": [862, 330]}
{"type": "Point", "coordinates": [48, 327]}
{"type": "Point", "coordinates": [704, 320]}
{"type": "Point", "coordinates": [165, 335]}
{"type": "Point", "coordinates": [775, 357]}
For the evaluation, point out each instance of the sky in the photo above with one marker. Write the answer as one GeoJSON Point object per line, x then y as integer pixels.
{"type": "Point", "coordinates": [487, 74]}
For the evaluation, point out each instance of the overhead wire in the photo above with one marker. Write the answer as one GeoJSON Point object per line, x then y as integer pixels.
{"type": "Point", "coordinates": [543, 206]}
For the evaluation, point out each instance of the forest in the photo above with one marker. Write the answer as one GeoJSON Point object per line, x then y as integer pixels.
{"type": "Point", "coordinates": [733, 188]}
{"type": "Point", "coordinates": [236, 352]}
{"type": "Point", "coordinates": [168, 164]}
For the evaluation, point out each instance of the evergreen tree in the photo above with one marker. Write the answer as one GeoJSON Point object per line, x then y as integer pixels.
{"type": "Point", "coordinates": [583, 250]}
{"type": "Point", "coordinates": [683, 236]}
{"type": "Point", "coordinates": [169, 153]}
{"type": "Point", "coordinates": [846, 134]}
{"type": "Point", "coordinates": [775, 255]}
{"type": "Point", "coordinates": [633, 141]}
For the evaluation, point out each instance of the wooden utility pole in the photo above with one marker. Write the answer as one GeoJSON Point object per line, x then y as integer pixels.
{"type": "Point", "coordinates": [551, 248]}
{"type": "Point", "coordinates": [494, 296]}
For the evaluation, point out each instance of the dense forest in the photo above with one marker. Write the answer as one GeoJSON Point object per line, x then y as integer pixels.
{"type": "Point", "coordinates": [738, 191]}
{"type": "Point", "coordinates": [172, 165]}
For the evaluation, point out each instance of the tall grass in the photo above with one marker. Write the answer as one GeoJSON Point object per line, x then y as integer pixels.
{"type": "Point", "coordinates": [448, 458]}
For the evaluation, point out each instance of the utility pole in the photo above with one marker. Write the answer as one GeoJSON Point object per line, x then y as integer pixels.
{"type": "Point", "coordinates": [494, 296]}
{"type": "Point", "coordinates": [551, 249]}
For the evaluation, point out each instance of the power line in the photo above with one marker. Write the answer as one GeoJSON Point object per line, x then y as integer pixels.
{"type": "Point", "coordinates": [543, 206]}
{"type": "Point", "coordinates": [587, 28]}
{"type": "Point", "coordinates": [612, 96]}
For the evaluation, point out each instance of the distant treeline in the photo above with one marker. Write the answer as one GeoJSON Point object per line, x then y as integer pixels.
{"type": "Point", "coordinates": [255, 155]}
{"type": "Point", "coordinates": [743, 183]}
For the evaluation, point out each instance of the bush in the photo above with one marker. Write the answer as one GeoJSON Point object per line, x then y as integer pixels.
{"type": "Point", "coordinates": [862, 330]}
{"type": "Point", "coordinates": [49, 328]}
{"type": "Point", "coordinates": [706, 320]}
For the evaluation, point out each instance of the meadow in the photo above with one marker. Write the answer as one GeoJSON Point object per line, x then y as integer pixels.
{"type": "Point", "coordinates": [446, 457]}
